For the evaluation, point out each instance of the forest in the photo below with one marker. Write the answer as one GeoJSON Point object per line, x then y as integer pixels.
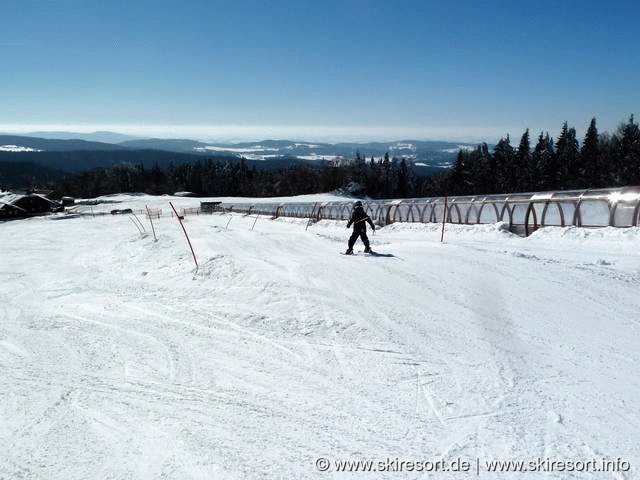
{"type": "Point", "coordinates": [602, 160]}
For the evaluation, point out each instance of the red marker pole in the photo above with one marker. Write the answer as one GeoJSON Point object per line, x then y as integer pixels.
{"type": "Point", "coordinates": [180, 217]}
{"type": "Point", "coordinates": [444, 217]}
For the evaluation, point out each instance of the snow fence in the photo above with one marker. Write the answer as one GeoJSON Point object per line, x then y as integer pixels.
{"type": "Point", "coordinates": [524, 212]}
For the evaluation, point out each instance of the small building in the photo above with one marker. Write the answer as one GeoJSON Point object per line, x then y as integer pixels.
{"type": "Point", "coordinates": [21, 206]}
{"type": "Point", "coordinates": [210, 207]}
{"type": "Point", "coordinates": [50, 194]}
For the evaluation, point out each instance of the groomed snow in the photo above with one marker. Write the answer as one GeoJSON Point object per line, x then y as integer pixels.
{"type": "Point", "coordinates": [119, 360]}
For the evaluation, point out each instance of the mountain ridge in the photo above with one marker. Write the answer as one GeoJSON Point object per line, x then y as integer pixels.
{"type": "Point", "coordinates": [427, 156]}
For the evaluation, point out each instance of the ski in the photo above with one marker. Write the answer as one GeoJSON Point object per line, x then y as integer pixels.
{"type": "Point", "coordinates": [370, 254]}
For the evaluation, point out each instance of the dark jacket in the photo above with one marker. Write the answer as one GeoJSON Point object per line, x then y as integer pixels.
{"type": "Point", "coordinates": [358, 219]}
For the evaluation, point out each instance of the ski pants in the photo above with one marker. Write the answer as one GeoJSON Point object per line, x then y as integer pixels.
{"type": "Point", "coordinates": [354, 236]}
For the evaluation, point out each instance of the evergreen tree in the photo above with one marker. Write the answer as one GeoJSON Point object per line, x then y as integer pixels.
{"type": "Point", "coordinates": [566, 160]}
{"type": "Point", "coordinates": [386, 165]}
{"type": "Point", "coordinates": [522, 164]}
{"type": "Point", "coordinates": [542, 160]}
{"type": "Point", "coordinates": [590, 157]}
{"type": "Point", "coordinates": [629, 153]}
{"type": "Point", "coordinates": [503, 155]}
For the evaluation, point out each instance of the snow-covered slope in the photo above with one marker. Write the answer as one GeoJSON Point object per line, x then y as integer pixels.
{"type": "Point", "coordinates": [118, 360]}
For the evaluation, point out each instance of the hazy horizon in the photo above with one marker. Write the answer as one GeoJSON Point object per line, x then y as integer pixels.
{"type": "Point", "coordinates": [331, 71]}
{"type": "Point", "coordinates": [251, 133]}
{"type": "Point", "coordinates": [325, 134]}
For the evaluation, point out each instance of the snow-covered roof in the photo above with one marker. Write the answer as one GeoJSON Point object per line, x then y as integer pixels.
{"type": "Point", "coordinates": [9, 201]}
{"type": "Point", "coordinates": [10, 198]}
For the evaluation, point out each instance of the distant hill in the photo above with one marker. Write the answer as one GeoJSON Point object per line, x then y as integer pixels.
{"type": "Point", "coordinates": [103, 137]}
{"type": "Point", "coordinates": [171, 145]}
{"type": "Point", "coordinates": [429, 153]}
{"type": "Point", "coordinates": [57, 145]}
{"type": "Point", "coordinates": [73, 155]}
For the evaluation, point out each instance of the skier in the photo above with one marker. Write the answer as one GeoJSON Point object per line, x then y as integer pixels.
{"type": "Point", "coordinates": [358, 219]}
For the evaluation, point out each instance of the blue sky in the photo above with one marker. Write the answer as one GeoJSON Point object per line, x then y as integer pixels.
{"type": "Point", "coordinates": [464, 70]}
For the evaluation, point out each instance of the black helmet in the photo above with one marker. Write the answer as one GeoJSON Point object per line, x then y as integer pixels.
{"type": "Point", "coordinates": [357, 204]}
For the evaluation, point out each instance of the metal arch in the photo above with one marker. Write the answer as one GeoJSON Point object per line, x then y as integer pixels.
{"type": "Point", "coordinates": [422, 210]}
{"type": "Point", "coordinates": [507, 208]}
{"type": "Point", "coordinates": [462, 209]}
{"type": "Point", "coordinates": [396, 212]}
{"type": "Point", "coordinates": [613, 206]}
{"type": "Point", "coordinates": [332, 208]}
{"type": "Point", "coordinates": [376, 215]}
{"type": "Point", "coordinates": [447, 212]}
{"type": "Point", "coordinates": [432, 212]}
{"type": "Point", "coordinates": [530, 209]}
{"type": "Point", "coordinates": [393, 208]}
{"type": "Point", "coordinates": [636, 214]}
{"type": "Point", "coordinates": [482, 205]}
{"type": "Point", "coordinates": [457, 209]}
{"type": "Point", "coordinates": [472, 208]}
{"type": "Point", "coordinates": [495, 209]}
{"type": "Point", "coordinates": [544, 213]}
{"type": "Point", "coordinates": [344, 212]}
{"type": "Point", "coordinates": [399, 211]}
{"type": "Point", "coordinates": [428, 210]}
{"type": "Point", "coordinates": [410, 212]}
{"type": "Point", "coordinates": [546, 209]}
{"type": "Point", "coordinates": [577, 215]}
{"type": "Point", "coordinates": [369, 210]}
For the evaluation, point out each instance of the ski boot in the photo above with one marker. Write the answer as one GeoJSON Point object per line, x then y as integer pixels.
{"type": "Point", "coordinates": [349, 251]}
{"type": "Point", "coordinates": [367, 249]}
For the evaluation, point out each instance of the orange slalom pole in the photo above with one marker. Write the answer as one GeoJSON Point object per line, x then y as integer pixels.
{"type": "Point", "coordinates": [185, 234]}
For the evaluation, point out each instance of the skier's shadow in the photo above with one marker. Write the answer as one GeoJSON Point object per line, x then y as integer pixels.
{"type": "Point", "coordinates": [376, 254]}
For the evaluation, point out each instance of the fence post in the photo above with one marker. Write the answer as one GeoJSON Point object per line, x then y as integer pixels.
{"type": "Point", "coordinates": [444, 218]}
{"type": "Point", "coordinates": [254, 222]}
{"type": "Point", "coordinates": [151, 221]}
{"type": "Point", "coordinates": [311, 217]}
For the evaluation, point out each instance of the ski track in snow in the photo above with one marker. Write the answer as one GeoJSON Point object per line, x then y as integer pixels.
{"type": "Point", "coordinates": [119, 360]}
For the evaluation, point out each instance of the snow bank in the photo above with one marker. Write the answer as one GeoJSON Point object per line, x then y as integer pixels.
{"type": "Point", "coordinates": [119, 360]}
